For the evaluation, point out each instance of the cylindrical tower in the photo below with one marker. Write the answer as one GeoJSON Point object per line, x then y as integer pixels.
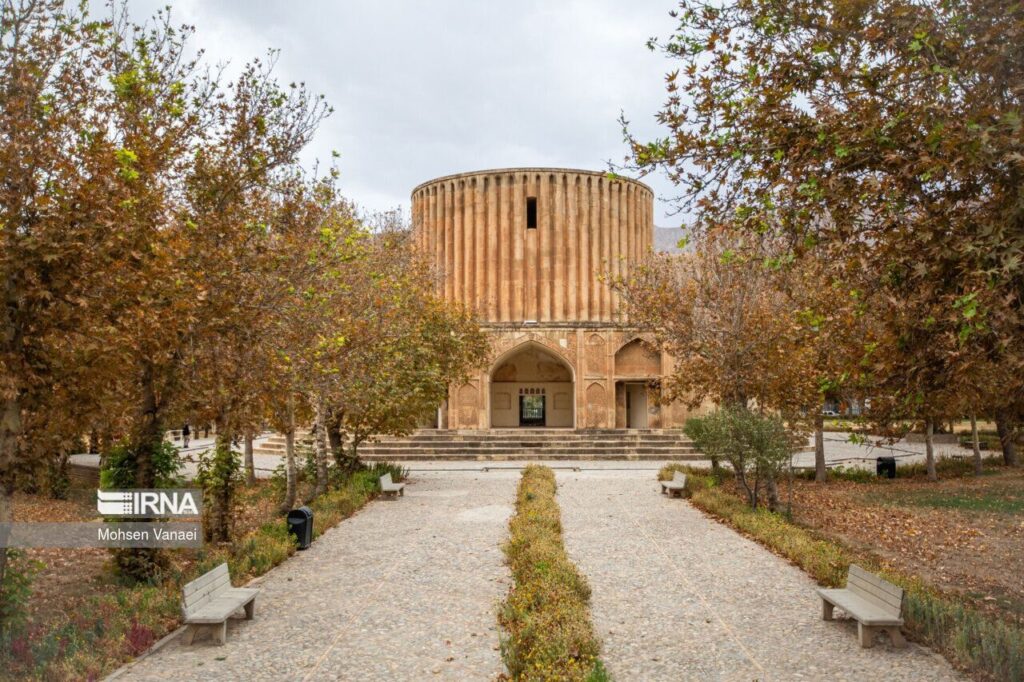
{"type": "Point", "coordinates": [531, 244]}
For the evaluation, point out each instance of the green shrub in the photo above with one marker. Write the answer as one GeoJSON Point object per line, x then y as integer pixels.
{"type": "Point", "coordinates": [841, 473]}
{"type": "Point", "coordinates": [757, 447]}
{"type": "Point", "coordinates": [546, 615]}
{"type": "Point", "coordinates": [966, 635]}
{"type": "Point", "coordinates": [120, 465]}
{"type": "Point", "coordinates": [15, 591]}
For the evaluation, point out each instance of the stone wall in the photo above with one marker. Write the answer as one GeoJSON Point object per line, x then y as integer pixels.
{"type": "Point", "coordinates": [476, 228]}
{"type": "Point", "coordinates": [530, 251]}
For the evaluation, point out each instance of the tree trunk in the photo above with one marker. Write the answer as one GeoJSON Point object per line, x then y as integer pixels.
{"type": "Point", "coordinates": [771, 490]}
{"type": "Point", "coordinates": [820, 470]}
{"type": "Point", "coordinates": [289, 463]}
{"type": "Point", "coordinates": [6, 516]}
{"type": "Point", "coordinates": [320, 447]}
{"type": "Point", "coordinates": [334, 438]}
{"type": "Point", "coordinates": [250, 465]}
{"type": "Point", "coordinates": [929, 448]}
{"type": "Point", "coordinates": [1004, 427]}
{"type": "Point", "coordinates": [148, 432]}
{"type": "Point", "coordinates": [975, 444]}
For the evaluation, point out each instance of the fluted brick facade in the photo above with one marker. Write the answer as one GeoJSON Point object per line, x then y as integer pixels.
{"type": "Point", "coordinates": [540, 289]}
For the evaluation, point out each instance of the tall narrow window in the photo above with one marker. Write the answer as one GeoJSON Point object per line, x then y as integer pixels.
{"type": "Point", "coordinates": [531, 213]}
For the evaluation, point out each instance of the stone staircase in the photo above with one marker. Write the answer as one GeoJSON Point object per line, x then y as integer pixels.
{"type": "Point", "coordinates": [533, 444]}
{"type": "Point", "coordinates": [516, 445]}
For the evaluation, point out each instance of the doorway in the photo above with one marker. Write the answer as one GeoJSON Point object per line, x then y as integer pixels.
{"type": "Point", "coordinates": [636, 406]}
{"type": "Point", "coordinates": [532, 410]}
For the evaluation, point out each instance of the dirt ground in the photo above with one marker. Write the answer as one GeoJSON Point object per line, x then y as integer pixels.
{"type": "Point", "coordinates": [66, 577]}
{"type": "Point", "coordinates": [963, 535]}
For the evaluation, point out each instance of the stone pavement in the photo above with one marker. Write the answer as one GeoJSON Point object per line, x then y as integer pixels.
{"type": "Point", "coordinates": [677, 596]}
{"type": "Point", "coordinates": [403, 590]}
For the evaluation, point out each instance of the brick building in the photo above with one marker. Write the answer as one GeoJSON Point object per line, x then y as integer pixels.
{"type": "Point", "coordinates": [527, 249]}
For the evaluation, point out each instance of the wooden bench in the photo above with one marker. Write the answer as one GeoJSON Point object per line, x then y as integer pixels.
{"type": "Point", "coordinates": [875, 604]}
{"type": "Point", "coordinates": [389, 487]}
{"type": "Point", "coordinates": [676, 486]}
{"type": "Point", "coordinates": [209, 600]}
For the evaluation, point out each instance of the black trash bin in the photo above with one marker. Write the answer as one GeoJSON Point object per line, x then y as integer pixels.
{"type": "Point", "coordinates": [885, 466]}
{"type": "Point", "coordinates": [300, 524]}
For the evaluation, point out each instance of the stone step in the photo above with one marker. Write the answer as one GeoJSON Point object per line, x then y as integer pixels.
{"type": "Point", "coordinates": [519, 444]}
{"type": "Point", "coordinates": [531, 456]}
{"type": "Point", "coordinates": [529, 442]}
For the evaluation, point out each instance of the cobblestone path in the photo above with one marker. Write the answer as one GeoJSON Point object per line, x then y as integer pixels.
{"type": "Point", "coordinates": [677, 596]}
{"type": "Point", "coordinates": [403, 590]}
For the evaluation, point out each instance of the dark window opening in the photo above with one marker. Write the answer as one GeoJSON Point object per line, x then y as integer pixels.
{"type": "Point", "coordinates": [531, 213]}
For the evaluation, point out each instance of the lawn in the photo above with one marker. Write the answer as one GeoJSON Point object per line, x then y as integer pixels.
{"type": "Point", "coordinates": [963, 535]}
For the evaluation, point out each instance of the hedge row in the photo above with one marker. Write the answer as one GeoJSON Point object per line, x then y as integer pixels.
{"type": "Point", "coordinates": [546, 615]}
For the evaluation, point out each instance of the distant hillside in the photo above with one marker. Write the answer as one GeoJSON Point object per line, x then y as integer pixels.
{"type": "Point", "coordinates": [666, 239]}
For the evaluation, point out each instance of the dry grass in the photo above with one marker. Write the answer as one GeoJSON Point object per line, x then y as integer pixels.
{"type": "Point", "coordinates": [546, 614]}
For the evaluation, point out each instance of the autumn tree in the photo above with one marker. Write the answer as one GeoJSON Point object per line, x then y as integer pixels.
{"type": "Point", "coordinates": [888, 132]}
{"type": "Point", "coordinates": [57, 165]}
{"type": "Point", "coordinates": [732, 331]}
{"type": "Point", "coordinates": [403, 347]}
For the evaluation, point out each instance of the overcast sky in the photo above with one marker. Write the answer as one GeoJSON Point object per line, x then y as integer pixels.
{"type": "Point", "coordinates": [424, 89]}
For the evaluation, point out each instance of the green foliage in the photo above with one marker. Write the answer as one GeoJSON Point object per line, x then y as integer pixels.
{"type": "Point", "coordinates": [15, 590]}
{"type": "Point", "coordinates": [219, 476]}
{"type": "Point", "coordinates": [756, 446]}
{"type": "Point", "coordinates": [841, 473]}
{"type": "Point", "coordinates": [977, 640]}
{"type": "Point", "coordinates": [546, 614]}
{"type": "Point", "coordinates": [120, 464]}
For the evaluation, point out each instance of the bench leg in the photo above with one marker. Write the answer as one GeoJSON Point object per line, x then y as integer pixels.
{"type": "Point", "coordinates": [897, 638]}
{"type": "Point", "coordinates": [190, 634]}
{"type": "Point", "coordinates": [220, 632]}
{"type": "Point", "coordinates": [866, 635]}
{"type": "Point", "coordinates": [826, 610]}
{"type": "Point", "coordinates": [402, 492]}
{"type": "Point", "coordinates": [250, 610]}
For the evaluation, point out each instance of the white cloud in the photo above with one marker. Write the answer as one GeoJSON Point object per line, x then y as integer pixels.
{"type": "Point", "coordinates": [426, 89]}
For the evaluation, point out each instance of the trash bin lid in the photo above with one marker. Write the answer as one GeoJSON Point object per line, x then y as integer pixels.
{"type": "Point", "coordinates": [301, 514]}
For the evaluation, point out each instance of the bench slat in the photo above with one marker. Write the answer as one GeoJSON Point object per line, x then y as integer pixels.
{"type": "Point", "coordinates": [871, 593]}
{"type": "Point", "coordinates": [864, 611]}
{"type": "Point", "coordinates": [878, 581]}
{"type": "Point", "coordinates": [213, 575]}
{"type": "Point", "coordinates": [206, 592]}
{"type": "Point", "coordinates": [874, 592]}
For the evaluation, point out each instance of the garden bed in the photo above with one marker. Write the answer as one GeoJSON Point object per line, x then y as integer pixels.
{"type": "Point", "coordinates": [546, 615]}
{"type": "Point", "coordinates": [82, 622]}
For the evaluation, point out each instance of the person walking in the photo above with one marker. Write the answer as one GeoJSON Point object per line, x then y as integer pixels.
{"type": "Point", "coordinates": [185, 433]}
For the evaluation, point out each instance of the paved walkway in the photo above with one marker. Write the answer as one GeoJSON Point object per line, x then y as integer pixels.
{"type": "Point", "coordinates": [677, 596]}
{"type": "Point", "coordinates": [404, 590]}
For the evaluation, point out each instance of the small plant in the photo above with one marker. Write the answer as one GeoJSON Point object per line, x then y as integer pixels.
{"type": "Point", "coordinates": [756, 446]}
{"type": "Point", "coordinates": [220, 476]}
{"type": "Point", "coordinates": [15, 591]}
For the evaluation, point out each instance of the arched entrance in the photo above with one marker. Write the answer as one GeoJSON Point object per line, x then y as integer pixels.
{"type": "Point", "coordinates": [531, 387]}
{"type": "Point", "coordinates": [637, 367]}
